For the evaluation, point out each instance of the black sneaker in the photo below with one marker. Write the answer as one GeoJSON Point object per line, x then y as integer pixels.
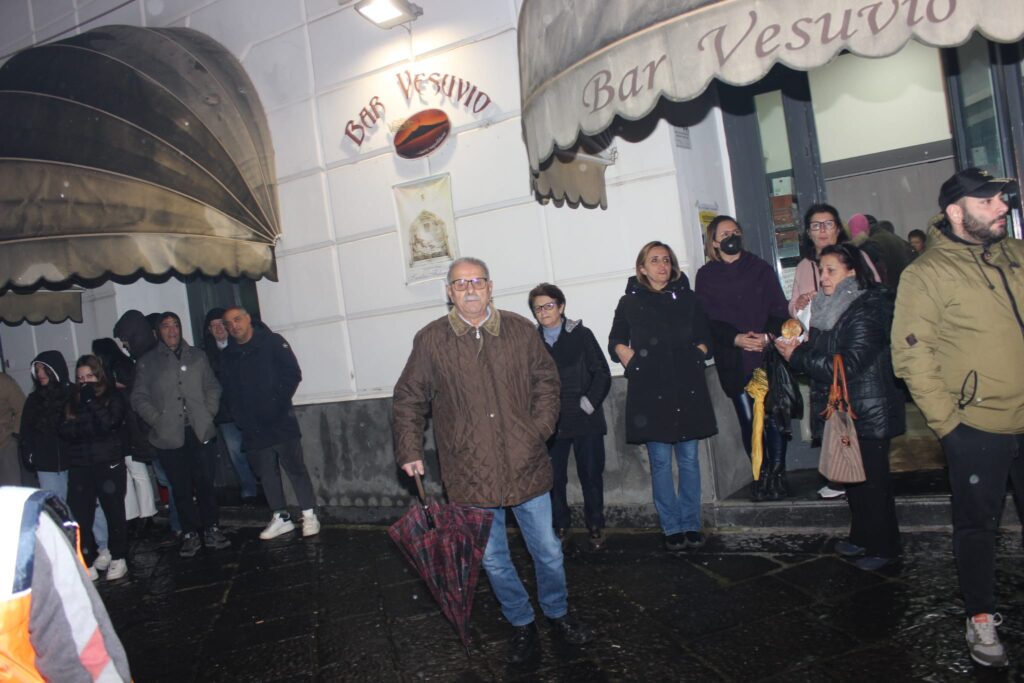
{"type": "Point", "coordinates": [694, 539]}
{"type": "Point", "coordinates": [214, 539]}
{"type": "Point", "coordinates": [675, 542]}
{"type": "Point", "coordinates": [524, 645]}
{"type": "Point", "coordinates": [190, 544]}
{"type": "Point", "coordinates": [570, 631]}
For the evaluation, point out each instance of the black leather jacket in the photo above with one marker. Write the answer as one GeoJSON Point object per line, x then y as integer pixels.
{"type": "Point", "coordinates": [861, 337]}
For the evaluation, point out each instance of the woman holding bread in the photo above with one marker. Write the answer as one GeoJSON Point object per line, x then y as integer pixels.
{"type": "Point", "coordinates": [743, 301]}
{"type": "Point", "coordinates": [851, 316]}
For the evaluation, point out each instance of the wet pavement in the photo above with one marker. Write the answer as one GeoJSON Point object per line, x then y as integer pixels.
{"type": "Point", "coordinates": [344, 606]}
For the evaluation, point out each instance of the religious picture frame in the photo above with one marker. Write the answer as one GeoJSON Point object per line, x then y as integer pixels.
{"type": "Point", "coordinates": [426, 227]}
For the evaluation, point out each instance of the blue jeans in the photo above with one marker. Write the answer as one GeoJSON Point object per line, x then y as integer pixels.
{"type": "Point", "coordinates": [232, 436]}
{"type": "Point", "coordinates": [678, 511]}
{"type": "Point", "coordinates": [57, 482]}
{"type": "Point", "coordinates": [172, 509]}
{"type": "Point", "coordinates": [534, 518]}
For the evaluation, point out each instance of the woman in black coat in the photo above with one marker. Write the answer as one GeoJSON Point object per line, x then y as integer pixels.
{"type": "Point", "coordinates": [585, 379]}
{"type": "Point", "coordinates": [661, 337]}
{"type": "Point", "coordinates": [92, 426]}
{"type": "Point", "coordinates": [852, 316]}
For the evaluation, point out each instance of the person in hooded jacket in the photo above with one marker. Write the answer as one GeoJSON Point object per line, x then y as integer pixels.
{"type": "Point", "coordinates": [92, 422]}
{"type": "Point", "coordinates": [852, 316]}
{"type": "Point", "coordinates": [743, 299]}
{"type": "Point", "coordinates": [586, 380]}
{"type": "Point", "coordinates": [215, 341]}
{"type": "Point", "coordinates": [137, 334]}
{"type": "Point", "coordinates": [41, 446]}
{"type": "Point", "coordinates": [661, 337]}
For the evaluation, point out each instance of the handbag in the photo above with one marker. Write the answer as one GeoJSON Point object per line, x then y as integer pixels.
{"type": "Point", "coordinates": [840, 450]}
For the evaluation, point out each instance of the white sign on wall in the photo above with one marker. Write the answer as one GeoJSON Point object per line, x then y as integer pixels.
{"type": "Point", "coordinates": [426, 227]}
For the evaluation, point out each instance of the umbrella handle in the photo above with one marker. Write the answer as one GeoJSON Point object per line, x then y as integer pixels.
{"type": "Point", "coordinates": [419, 488]}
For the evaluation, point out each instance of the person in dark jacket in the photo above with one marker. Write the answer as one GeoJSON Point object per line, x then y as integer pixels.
{"type": "Point", "coordinates": [662, 338]}
{"type": "Point", "coordinates": [92, 423]}
{"type": "Point", "coordinates": [852, 317]}
{"type": "Point", "coordinates": [743, 300]}
{"type": "Point", "coordinates": [215, 341]}
{"type": "Point", "coordinates": [260, 375]}
{"type": "Point", "coordinates": [586, 380]}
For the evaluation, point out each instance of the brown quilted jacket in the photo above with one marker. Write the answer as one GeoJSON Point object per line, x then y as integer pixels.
{"type": "Point", "coordinates": [494, 395]}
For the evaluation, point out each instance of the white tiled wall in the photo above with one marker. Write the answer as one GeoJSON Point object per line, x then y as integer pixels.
{"type": "Point", "coordinates": [342, 300]}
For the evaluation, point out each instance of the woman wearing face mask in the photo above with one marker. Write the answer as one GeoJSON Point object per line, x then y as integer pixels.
{"type": "Point", "coordinates": [585, 378]}
{"type": "Point", "coordinates": [852, 316]}
{"type": "Point", "coordinates": [743, 300]}
{"type": "Point", "coordinates": [92, 423]}
{"type": "Point", "coordinates": [661, 337]}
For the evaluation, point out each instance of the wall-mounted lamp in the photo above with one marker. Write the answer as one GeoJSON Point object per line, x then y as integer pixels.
{"type": "Point", "coordinates": [388, 13]}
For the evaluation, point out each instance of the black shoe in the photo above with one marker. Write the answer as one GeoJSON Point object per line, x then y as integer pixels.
{"type": "Point", "coordinates": [757, 489]}
{"type": "Point", "coordinates": [597, 539]}
{"type": "Point", "coordinates": [190, 544]}
{"type": "Point", "coordinates": [675, 542]}
{"type": "Point", "coordinates": [847, 549]}
{"type": "Point", "coordinates": [694, 539]}
{"type": "Point", "coordinates": [524, 645]}
{"type": "Point", "coordinates": [214, 539]}
{"type": "Point", "coordinates": [570, 631]}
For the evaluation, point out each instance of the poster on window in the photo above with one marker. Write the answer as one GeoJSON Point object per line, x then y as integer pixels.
{"type": "Point", "coordinates": [426, 227]}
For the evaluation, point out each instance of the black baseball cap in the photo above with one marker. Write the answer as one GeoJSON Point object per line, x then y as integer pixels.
{"type": "Point", "coordinates": [973, 182]}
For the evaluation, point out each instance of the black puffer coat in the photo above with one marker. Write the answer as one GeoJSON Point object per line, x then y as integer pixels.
{"type": "Point", "coordinates": [667, 398]}
{"type": "Point", "coordinates": [41, 448]}
{"type": "Point", "coordinates": [583, 371]}
{"type": "Point", "coordinates": [861, 337]}
{"type": "Point", "coordinates": [94, 428]}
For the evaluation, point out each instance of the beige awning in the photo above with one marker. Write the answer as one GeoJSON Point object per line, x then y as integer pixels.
{"type": "Point", "coordinates": [128, 151]}
{"type": "Point", "coordinates": [40, 306]}
{"type": "Point", "coordinates": [584, 62]}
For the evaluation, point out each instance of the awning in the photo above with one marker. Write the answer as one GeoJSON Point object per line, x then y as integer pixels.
{"type": "Point", "coordinates": [41, 306]}
{"type": "Point", "coordinates": [584, 62]}
{"type": "Point", "coordinates": [128, 151]}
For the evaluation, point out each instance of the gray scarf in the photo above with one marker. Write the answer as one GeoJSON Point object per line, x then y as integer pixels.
{"type": "Point", "coordinates": [827, 310]}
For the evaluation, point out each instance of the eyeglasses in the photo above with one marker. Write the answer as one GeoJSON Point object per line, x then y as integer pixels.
{"type": "Point", "coordinates": [549, 306]}
{"type": "Point", "coordinates": [462, 284]}
{"type": "Point", "coordinates": [822, 225]}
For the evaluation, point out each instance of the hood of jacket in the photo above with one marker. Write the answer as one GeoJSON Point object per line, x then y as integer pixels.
{"type": "Point", "coordinates": [134, 328]}
{"type": "Point", "coordinates": [55, 363]}
{"type": "Point", "coordinates": [634, 288]}
{"type": "Point", "coordinates": [209, 343]}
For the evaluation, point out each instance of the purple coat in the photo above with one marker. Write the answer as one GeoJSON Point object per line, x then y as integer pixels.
{"type": "Point", "coordinates": [739, 297]}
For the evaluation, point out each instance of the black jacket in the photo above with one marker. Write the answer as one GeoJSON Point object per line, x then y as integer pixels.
{"type": "Point", "coordinates": [667, 397]}
{"type": "Point", "coordinates": [259, 380]}
{"type": "Point", "coordinates": [583, 371]}
{"type": "Point", "coordinates": [41, 447]}
{"type": "Point", "coordinates": [861, 337]}
{"type": "Point", "coordinates": [93, 430]}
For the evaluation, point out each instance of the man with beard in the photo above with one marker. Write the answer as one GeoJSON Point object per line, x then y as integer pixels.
{"type": "Point", "coordinates": [958, 341]}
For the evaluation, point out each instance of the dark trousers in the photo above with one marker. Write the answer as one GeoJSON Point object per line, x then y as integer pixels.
{"type": "Point", "coordinates": [106, 482]}
{"type": "Point", "coordinates": [268, 462]}
{"type": "Point", "coordinates": [873, 524]}
{"type": "Point", "coordinates": [191, 470]}
{"type": "Point", "coordinates": [589, 451]}
{"type": "Point", "coordinates": [774, 440]}
{"type": "Point", "coordinates": [979, 465]}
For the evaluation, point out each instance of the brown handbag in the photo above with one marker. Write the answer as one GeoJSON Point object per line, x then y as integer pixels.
{"type": "Point", "coordinates": [840, 450]}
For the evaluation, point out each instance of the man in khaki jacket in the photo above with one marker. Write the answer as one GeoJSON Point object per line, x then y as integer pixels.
{"type": "Point", "coordinates": [494, 394]}
{"type": "Point", "coordinates": [958, 341]}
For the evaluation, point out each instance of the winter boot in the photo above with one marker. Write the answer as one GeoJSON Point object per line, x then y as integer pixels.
{"type": "Point", "coordinates": [778, 487]}
{"type": "Point", "coordinates": [759, 487]}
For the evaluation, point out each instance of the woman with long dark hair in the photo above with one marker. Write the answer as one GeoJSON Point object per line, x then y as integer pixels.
{"type": "Point", "coordinates": [852, 316]}
{"type": "Point", "coordinates": [92, 423]}
{"type": "Point", "coordinates": [661, 337]}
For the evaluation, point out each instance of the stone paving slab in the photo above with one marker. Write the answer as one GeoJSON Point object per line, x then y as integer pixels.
{"type": "Point", "coordinates": [345, 606]}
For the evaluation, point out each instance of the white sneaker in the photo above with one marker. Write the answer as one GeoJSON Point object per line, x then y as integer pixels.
{"type": "Point", "coordinates": [118, 568]}
{"type": "Point", "coordinates": [827, 492]}
{"type": "Point", "coordinates": [983, 641]}
{"type": "Point", "coordinates": [102, 560]}
{"type": "Point", "coordinates": [310, 524]}
{"type": "Point", "coordinates": [93, 574]}
{"type": "Point", "coordinates": [278, 525]}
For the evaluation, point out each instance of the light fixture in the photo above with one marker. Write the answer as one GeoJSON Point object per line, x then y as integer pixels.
{"type": "Point", "coordinates": [388, 13]}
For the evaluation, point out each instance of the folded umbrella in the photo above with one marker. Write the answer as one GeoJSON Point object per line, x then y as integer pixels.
{"type": "Point", "coordinates": [757, 388]}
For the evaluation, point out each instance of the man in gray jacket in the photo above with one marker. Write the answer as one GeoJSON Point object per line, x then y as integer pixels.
{"type": "Point", "coordinates": [177, 395]}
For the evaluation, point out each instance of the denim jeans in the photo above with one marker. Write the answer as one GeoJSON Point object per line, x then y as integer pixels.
{"type": "Point", "coordinates": [678, 509]}
{"type": "Point", "coordinates": [57, 482]}
{"type": "Point", "coordinates": [534, 518]}
{"type": "Point", "coordinates": [232, 437]}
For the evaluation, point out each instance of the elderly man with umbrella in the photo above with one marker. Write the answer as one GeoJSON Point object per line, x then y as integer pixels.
{"type": "Point", "coordinates": [493, 391]}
